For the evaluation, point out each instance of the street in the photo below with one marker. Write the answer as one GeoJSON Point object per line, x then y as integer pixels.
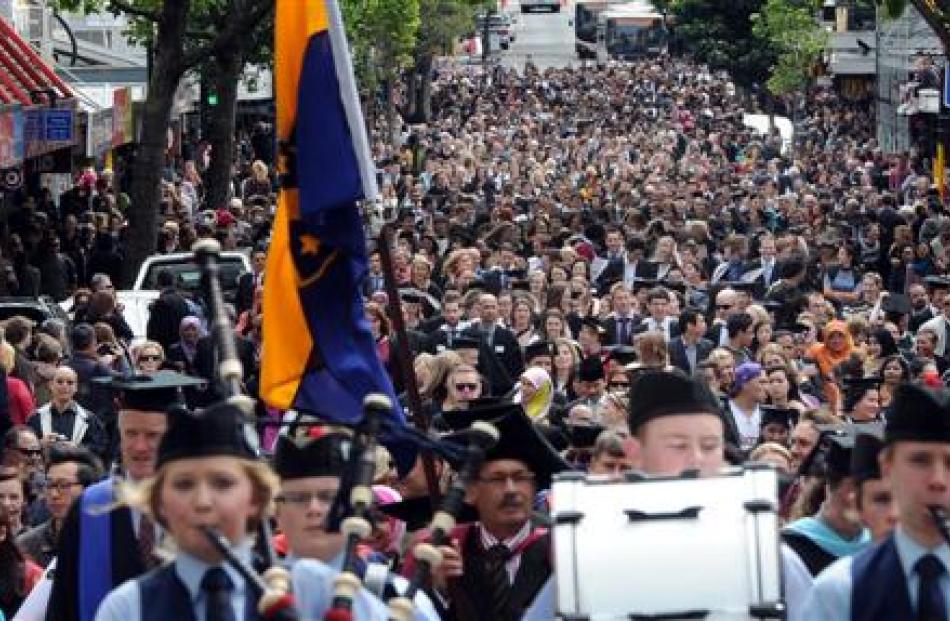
{"type": "Point", "coordinates": [546, 38]}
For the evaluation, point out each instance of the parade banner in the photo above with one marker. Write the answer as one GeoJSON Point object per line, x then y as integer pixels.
{"type": "Point", "coordinates": [123, 127]}
{"type": "Point", "coordinates": [99, 132]}
{"type": "Point", "coordinates": [11, 137]}
{"type": "Point", "coordinates": [319, 355]}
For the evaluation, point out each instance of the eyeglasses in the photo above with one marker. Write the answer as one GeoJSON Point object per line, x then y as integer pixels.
{"type": "Point", "coordinates": [723, 306]}
{"type": "Point", "coordinates": [29, 452]}
{"type": "Point", "coordinates": [500, 480]}
{"type": "Point", "coordinates": [305, 499]}
{"type": "Point", "coordinates": [461, 387]}
{"type": "Point", "coordinates": [618, 385]}
{"type": "Point", "coordinates": [61, 487]}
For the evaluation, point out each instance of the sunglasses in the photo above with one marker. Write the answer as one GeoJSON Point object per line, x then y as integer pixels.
{"type": "Point", "coordinates": [723, 306]}
{"type": "Point", "coordinates": [461, 387]}
{"type": "Point", "coordinates": [150, 358]}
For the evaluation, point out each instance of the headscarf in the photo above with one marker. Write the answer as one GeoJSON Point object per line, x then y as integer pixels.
{"type": "Point", "coordinates": [190, 349]}
{"type": "Point", "coordinates": [384, 495]}
{"type": "Point", "coordinates": [539, 404]}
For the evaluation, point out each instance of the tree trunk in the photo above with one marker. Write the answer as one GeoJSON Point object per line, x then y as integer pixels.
{"type": "Point", "coordinates": [425, 88]}
{"type": "Point", "coordinates": [146, 195]}
{"type": "Point", "coordinates": [227, 72]}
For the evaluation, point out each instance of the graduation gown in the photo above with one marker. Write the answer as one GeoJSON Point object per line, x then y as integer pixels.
{"type": "Point", "coordinates": [126, 562]}
{"type": "Point", "coordinates": [468, 600]}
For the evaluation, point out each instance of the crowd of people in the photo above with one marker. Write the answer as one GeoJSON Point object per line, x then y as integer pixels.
{"type": "Point", "coordinates": [598, 259]}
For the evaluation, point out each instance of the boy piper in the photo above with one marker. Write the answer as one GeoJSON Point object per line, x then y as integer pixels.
{"type": "Point", "coordinates": [310, 470]}
{"type": "Point", "coordinates": [677, 426]}
{"type": "Point", "coordinates": [904, 576]}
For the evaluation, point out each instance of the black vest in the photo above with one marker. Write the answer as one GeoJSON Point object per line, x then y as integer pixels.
{"type": "Point", "coordinates": [879, 587]}
{"type": "Point", "coordinates": [164, 597]}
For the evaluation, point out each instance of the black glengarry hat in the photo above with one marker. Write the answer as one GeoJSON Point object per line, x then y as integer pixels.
{"type": "Point", "coordinates": [655, 394]}
{"type": "Point", "coordinates": [215, 431]}
{"type": "Point", "coordinates": [326, 456]}
{"type": "Point", "coordinates": [918, 414]}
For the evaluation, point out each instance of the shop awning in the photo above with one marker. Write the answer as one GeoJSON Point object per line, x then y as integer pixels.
{"type": "Point", "coordinates": [23, 72]}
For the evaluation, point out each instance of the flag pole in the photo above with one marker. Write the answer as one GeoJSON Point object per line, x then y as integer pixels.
{"type": "Point", "coordinates": [404, 361]}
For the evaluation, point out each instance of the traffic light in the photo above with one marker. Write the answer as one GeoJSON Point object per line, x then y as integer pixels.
{"type": "Point", "coordinates": [212, 98]}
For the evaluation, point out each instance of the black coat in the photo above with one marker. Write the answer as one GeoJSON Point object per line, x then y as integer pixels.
{"type": "Point", "coordinates": [126, 562]}
{"type": "Point", "coordinates": [678, 359]}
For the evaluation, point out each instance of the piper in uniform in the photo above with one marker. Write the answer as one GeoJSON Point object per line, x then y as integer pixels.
{"type": "Point", "coordinates": [497, 564]}
{"type": "Point", "coordinates": [310, 470]}
{"type": "Point", "coordinates": [677, 426]}
{"type": "Point", "coordinates": [906, 575]}
{"type": "Point", "coordinates": [100, 549]}
{"type": "Point", "coordinates": [207, 476]}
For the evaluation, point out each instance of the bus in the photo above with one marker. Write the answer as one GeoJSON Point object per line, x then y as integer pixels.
{"type": "Point", "coordinates": [585, 25]}
{"type": "Point", "coordinates": [630, 31]}
{"type": "Point", "coordinates": [553, 6]}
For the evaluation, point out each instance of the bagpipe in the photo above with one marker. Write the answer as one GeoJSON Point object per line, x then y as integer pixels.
{"type": "Point", "coordinates": [275, 601]}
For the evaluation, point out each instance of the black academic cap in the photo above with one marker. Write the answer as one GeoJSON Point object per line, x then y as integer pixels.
{"type": "Point", "coordinates": [787, 417]}
{"type": "Point", "coordinates": [520, 285]}
{"type": "Point", "coordinates": [896, 303]}
{"type": "Point", "coordinates": [466, 342]}
{"type": "Point", "coordinates": [417, 512]}
{"type": "Point", "coordinates": [674, 285]}
{"type": "Point", "coordinates": [539, 348]}
{"type": "Point", "coordinates": [594, 324]}
{"type": "Point", "coordinates": [411, 296]}
{"type": "Point", "coordinates": [519, 440]}
{"type": "Point", "coordinates": [623, 354]}
{"type": "Point", "coordinates": [855, 387]}
{"type": "Point", "coordinates": [644, 283]}
{"type": "Point", "coordinates": [590, 369]}
{"type": "Point", "coordinates": [740, 285]}
{"type": "Point", "coordinates": [482, 408]}
{"type": "Point", "coordinates": [325, 456]}
{"type": "Point", "coordinates": [583, 436]}
{"type": "Point", "coordinates": [937, 282]}
{"type": "Point", "coordinates": [153, 392]}
{"type": "Point", "coordinates": [864, 463]}
{"type": "Point", "coordinates": [794, 328]}
{"type": "Point", "coordinates": [216, 430]}
{"type": "Point", "coordinates": [838, 455]}
{"type": "Point", "coordinates": [918, 414]}
{"type": "Point", "coordinates": [655, 394]}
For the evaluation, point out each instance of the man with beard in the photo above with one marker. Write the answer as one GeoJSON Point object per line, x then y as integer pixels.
{"type": "Point", "coordinates": [495, 566]}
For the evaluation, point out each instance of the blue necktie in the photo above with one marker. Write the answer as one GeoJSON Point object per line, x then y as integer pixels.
{"type": "Point", "coordinates": [218, 586]}
{"type": "Point", "coordinates": [930, 603]}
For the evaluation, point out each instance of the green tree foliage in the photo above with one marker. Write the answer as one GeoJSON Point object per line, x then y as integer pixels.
{"type": "Point", "coordinates": [719, 33]}
{"type": "Point", "coordinates": [791, 29]}
{"type": "Point", "coordinates": [181, 35]}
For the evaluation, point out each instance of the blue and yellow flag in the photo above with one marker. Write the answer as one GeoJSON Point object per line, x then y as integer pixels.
{"type": "Point", "coordinates": [318, 354]}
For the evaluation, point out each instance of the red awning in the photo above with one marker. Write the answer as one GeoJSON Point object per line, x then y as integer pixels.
{"type": "Point", "coordinates": [22, 70]}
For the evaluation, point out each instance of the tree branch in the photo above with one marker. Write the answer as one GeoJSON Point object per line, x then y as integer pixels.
{"type": "Point", "coordinates": [120, 6]}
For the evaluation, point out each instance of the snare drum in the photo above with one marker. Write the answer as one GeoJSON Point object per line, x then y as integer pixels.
{"type": "Point", "coordinates": [670, 548]}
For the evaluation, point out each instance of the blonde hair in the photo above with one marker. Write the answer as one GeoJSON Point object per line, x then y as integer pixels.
{"type": "Point", "coordinates": [7, 357]}
{"type": "Point", "coordinates": [146, 495]}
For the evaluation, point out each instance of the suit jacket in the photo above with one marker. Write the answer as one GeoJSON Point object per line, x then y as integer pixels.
{"type": "Point", "coordinates": [612, 330]}
{"type": "Point", "coordinates": [616, 271]}
{"type": "Point", "coordinates": [126, 562]}
{"type": "Point", "coordinates": [678, 359]}
{"type": "Point", "coordinates": [505, 348]}
{"type": "Point", "coordinates": [244, 297]}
